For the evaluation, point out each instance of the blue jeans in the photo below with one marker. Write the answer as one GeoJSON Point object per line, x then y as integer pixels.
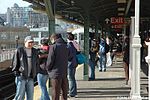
{"type": "Point", "coordinates": [92, 69]}
{"type": "Point", "coordinates": [42, 79]}
{"type": "Point", "coordinates": [102, 61]}
{"type": "Point", "coordinates": [24, 85]}
{"type": "Point", "coordinates": [72, 82]}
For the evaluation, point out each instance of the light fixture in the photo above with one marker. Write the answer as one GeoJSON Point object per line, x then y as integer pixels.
{"type": "Point", "coordinates": [121, 1]}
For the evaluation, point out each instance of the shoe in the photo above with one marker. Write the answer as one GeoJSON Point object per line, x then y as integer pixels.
{"type": "Point", "coordinates": [71, 96]}
{"type": "Point", "coordinates": [104, 70]}
{"type": "Point", "coordinates": [100, 70]}
{"type": "Point", "coordinates": [91, 79]}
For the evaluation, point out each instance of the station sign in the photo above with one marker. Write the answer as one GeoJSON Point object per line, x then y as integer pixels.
{"type": "Point", "coordinates": [117, 20]}
{"type": "Point", "coordinates": [116, 23]}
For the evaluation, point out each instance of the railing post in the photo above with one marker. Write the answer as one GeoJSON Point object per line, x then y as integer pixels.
{"type": "Point", "coordinates": [147, 58]}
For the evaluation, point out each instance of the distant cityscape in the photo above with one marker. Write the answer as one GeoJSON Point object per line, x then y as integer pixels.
{"type": "Point", "coordinates": [18, 21]}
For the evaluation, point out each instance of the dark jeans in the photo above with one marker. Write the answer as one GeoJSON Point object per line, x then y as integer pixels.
{"type": "Point", "coordinates": [92, 69]}
{"type": "Point", "coordinates": [58, 85]}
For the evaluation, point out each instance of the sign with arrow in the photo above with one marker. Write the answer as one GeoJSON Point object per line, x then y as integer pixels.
{"type": "Point", "coordinates": [107, 20]}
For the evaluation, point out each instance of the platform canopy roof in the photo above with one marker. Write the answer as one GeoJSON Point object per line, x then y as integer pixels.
{"type": "Point", "coordinates": [98, 10]}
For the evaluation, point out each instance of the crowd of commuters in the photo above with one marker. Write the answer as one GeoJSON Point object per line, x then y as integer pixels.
{"type": "Point", "coordinates": [58, 63]}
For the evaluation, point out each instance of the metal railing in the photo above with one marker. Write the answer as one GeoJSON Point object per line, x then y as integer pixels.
{"type": "Point", "coordinates": [6, 55]}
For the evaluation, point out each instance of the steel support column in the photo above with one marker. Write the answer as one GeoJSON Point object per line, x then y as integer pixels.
{"type": "Point", "coordinates": [51, 26]}
{"type": "Point", "coordinates": [50, 10]}
{"type": "Point", "coordinates": [136, 56]}
{"type": "Point", "coordinates": [86, 46]}
{"type": "Point", "coordinates": [96, 29]}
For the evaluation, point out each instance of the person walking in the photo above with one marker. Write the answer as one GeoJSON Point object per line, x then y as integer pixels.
{"type": "Point", "coordinates": [126, 59]}
{"type": "Point", "coordinates": [42, 76]}
{"type": "Point", "coordinates": [57, 63]}
{"type": "Point", "coordinates": [73, 47]}
{"type": "Point", "coordinates": [102, 54]}
{"type": "Point", "coordinates": [25, 66]}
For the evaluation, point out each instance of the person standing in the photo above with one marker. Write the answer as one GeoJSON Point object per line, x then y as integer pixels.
{"type": "Point", "coordinates": [92, 61]}
{"type": "Point", "coordinates": [73, 47]}
{"type": "Point", "coordinates": [25, 66]}
{"type": "Point", "coordinates": [42, 76]}
{"type": "Point", "coordinates": [57, 63]}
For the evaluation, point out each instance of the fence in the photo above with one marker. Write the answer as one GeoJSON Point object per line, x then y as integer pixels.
{"type": "Point", "coordinates": [6, 55]}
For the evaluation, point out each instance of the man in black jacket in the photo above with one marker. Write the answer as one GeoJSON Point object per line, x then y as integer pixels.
{"type": "Point", "coordinates": [57, 63]}
{"type": "Point", "coordinates": [25, 66]}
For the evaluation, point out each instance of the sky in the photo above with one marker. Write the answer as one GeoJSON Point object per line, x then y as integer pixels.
{"type": "Point", "coordinates": [4, 4]}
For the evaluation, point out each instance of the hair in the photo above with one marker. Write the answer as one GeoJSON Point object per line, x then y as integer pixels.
{"type": "Point", "coordinates": [44, 41]}
{"type": "Point", "coordinates": [70, 36]}
{"type": "Point", "coordinates": [56, 36]}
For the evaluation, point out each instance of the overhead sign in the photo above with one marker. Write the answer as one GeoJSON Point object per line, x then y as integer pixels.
{"type": "Point", "coordinates": [117, 20]}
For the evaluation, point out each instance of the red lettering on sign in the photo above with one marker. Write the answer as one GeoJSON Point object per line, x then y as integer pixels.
{"type": "Point", "coordinates": [117, 20]}
{"type": "Point", "coordinates": [117, 26]}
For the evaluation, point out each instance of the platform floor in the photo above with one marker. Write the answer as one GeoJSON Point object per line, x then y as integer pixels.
{"type": "Point", "coordinates": [109, 85]}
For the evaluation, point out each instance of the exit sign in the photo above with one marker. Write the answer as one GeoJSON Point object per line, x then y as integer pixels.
{"type": "Point", "coordinates": [117, 20]}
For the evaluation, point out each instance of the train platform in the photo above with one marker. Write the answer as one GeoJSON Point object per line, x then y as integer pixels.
{"type": "Point", "coordinates": [109, 85]}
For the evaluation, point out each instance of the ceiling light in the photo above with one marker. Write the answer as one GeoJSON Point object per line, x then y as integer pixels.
{"type": "Point", "coordinates": [120, 14]}
{"type": "Point", "coordinates": [121, 1]}
{"type": "Point", "coordinates": [121, 9]}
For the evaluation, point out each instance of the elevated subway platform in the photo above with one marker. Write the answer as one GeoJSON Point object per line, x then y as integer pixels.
{"type": "Point", "coordinates": [109, 85]}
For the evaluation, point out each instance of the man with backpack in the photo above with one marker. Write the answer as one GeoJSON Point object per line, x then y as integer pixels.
{"type": "Point", "coordinates": [103, 49]}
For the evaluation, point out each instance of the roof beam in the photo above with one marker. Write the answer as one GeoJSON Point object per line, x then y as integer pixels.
{"type": "Point", "coordinates": [64, 2]}
{"type": "Point", "coordinates": [104, 6]}
{"type": "Point", "coordinates": [50, 9]}
{"type": "Point", "coordinates": [128, 7]}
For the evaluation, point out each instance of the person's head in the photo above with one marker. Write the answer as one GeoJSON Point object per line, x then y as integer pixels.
{"type": "Point", "coordinates": [44, 41]}
{"type": "Point", "coordinates": [126, 39]}
{"type": "Point", "coordinates": [29, 42]}
{"type": "Point", "coordinates": [70, 36]}
{"type": "Point", "coordinates": [54, 37]}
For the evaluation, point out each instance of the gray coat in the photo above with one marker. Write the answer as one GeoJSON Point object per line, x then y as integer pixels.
{"type": "Point", "coordinates": [57, 61]}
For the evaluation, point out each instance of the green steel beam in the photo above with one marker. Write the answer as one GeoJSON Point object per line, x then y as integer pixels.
{"type": "Point", "coordinates": [96, 29]}
{"type": "Point", "coordinates": [51, 26]}
{"type": "Point", "coordinates": [128, 7]}
{"type": "Point", "coordinates": [50, 9]}
{"type": "Point", "coordinates": [86, 46]}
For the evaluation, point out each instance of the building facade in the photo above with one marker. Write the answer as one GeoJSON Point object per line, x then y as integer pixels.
{"type": "Point", "coordinates": [10, 37]}
{"type": "Point", "coordinates": [25, 16]}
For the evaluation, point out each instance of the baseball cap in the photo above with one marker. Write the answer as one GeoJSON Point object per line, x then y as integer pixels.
{"type": "Point", "coordinates": [29, 39]}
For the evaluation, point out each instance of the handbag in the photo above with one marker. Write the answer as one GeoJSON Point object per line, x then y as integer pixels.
{"type": "Point", "coordinates": [109, 60]}
{"type": "Point", "coordinates": [81, 58]}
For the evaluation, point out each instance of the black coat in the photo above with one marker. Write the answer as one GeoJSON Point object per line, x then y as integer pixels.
{"type": "Point", "coordinates": [20, 64]}
{"type": "Point", "coordinates": [57, 61]}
